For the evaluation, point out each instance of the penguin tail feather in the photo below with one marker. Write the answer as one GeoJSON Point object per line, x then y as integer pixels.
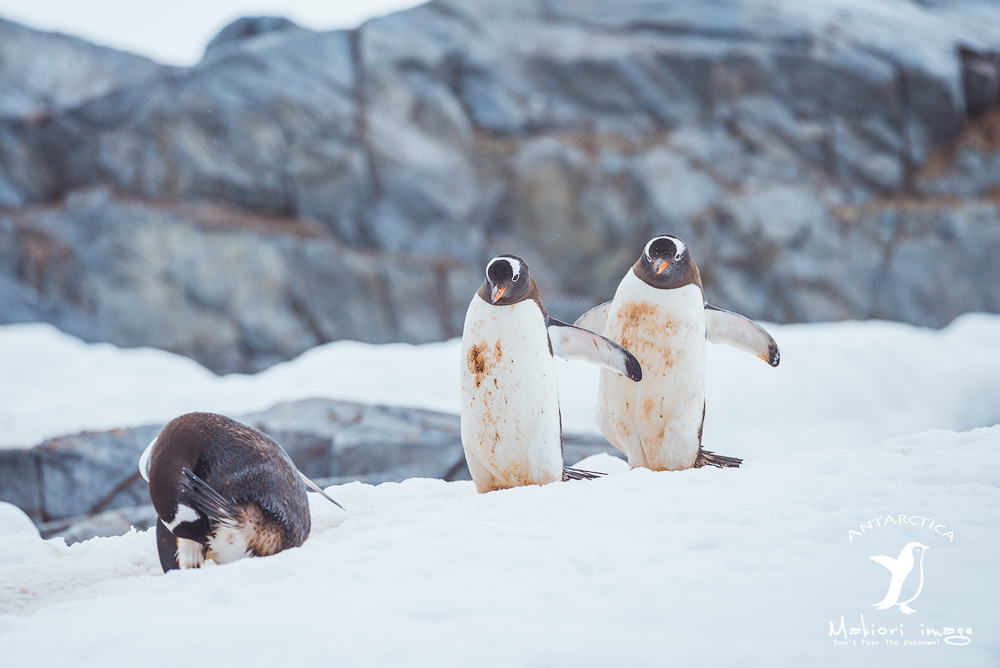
{"type": "Point", "coordinates": [706, 458]}
{"type": "Point", "coordinates": [316, 488]}
{"type": "Point", "coordinates": [570, 473]}
{"type": "Point", "coordinates": [218, 509]}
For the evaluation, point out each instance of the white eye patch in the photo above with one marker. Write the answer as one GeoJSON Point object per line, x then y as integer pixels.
{"type": "Point", "coordinates": [680, 247]}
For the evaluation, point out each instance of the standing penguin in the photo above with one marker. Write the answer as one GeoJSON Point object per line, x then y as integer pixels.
{"type": "Point", "coordinates": [223, 491]}
{"type": "Point", "coordinates": [659, 312]}
{"type": "Point", "coordinates": [511, 425]}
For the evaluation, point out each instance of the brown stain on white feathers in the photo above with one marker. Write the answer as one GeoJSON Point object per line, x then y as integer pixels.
{"type": "Point", "coordinates": [648, 406]}
{"type": "Point", "coordinates": [482, 360]}
{"type": "Point", "coordinates": [647, 331]}
{"type": "Point", "coordinates": [631, 318]}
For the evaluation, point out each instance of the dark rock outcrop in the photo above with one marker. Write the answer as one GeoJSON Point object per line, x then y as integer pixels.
{"type": "Point", "coordinates": [108, 523]}
{"type": "Point", "coordinates": [248, 28]}
{"type": "Point", "coordinates": [71, 480]}
{"type": "Point", "coordinates": [819, 158]}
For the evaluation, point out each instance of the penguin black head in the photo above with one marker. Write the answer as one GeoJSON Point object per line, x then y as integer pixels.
{"type": "Point", "coordinates": [507, 281]}
{"type": "Point", "coordinates": [665, 263]}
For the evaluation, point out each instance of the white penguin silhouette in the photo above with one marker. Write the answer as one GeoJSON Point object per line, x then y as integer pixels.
{"type": "Point", "coordinates": [900, 567]}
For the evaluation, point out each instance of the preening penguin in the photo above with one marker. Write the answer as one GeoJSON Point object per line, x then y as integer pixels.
{"type": "Point", "coordinates": [660, 314]}
{"type": "Point", "coordinates": [511, 426]}
{"type": "Point", "coordinates": [224, 491]}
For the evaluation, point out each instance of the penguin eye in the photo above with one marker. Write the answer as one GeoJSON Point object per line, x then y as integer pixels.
{"type": "Point", "coordinates": [516, 276]}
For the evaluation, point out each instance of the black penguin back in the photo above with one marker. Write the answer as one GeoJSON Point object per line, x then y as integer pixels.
{"type": "Point", "coordinates": [258, 484]}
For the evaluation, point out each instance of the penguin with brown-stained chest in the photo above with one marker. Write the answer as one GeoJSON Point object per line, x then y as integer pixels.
{"type": "Point", "coordinates": [511, 425]}
{"type": "Point", "coordinates": [659, 312]}
{"type": "Point", "coordinates": [223, 491]}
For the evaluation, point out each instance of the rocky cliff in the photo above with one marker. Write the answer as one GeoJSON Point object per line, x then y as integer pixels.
{"type": "Point", "coordinates": [823, 160]}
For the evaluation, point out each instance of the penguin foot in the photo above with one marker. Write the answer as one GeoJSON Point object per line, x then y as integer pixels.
{"type": "Point", "coordinates": [706, 458]}
{"type": "Point", "coordinates": [190, 554]}
{"type": "Point", "coordinates": [570, 473]}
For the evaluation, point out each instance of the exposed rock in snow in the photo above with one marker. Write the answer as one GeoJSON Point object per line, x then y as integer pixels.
{"type": "Point", "coordinates": [85, 474]}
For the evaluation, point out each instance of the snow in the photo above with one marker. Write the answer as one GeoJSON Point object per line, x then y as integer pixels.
{"type": "Point", "coordinates": [849, 382]}
{"type": "Point", "coordinates": [13, 521]}
{"type": "Point", "coordinates": [862, 421]}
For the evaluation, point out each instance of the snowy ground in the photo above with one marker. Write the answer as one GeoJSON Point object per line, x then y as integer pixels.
{"type": "Point", "coordinates": [706, 567]}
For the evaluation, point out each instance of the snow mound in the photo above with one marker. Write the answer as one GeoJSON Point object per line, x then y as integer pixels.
{"type": "Point", "coordinates": [13, 521]}
{"type": "Point", "coordinates": [636, 568]}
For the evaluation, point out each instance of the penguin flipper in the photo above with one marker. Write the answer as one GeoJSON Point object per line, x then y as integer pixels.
{"type": "Point", "coordinates": [888, 562]}
{"type": "Point", "coordinates": [205, 499]}
{"type": "Point", "coordinates": [596, 319]}
{"type": "Point", "coordinates": [706, 458]}
{"type": "Point", "coordinates": [574, 343]}
{"type": "Point", "coordinates": [732, 329]}
{"type": "Point", "coordinates": [166, 546]}
{"type": "Point", "coordinates": [570, 473]}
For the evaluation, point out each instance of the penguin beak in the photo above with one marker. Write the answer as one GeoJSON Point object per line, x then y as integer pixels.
{"type": "Point", "coordinates": [498, 293]}
{"type": "Point", "coordinates": [660, 265]}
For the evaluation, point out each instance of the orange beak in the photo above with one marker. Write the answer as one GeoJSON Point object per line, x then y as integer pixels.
{"type": "Point", "coordinates": [498, 293]}
{"type": "Point", "coordinates": [661, 265]}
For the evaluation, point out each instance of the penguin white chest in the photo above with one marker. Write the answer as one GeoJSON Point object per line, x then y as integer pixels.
{"type": "Point", "coordinates": [658, 421]}
{"type": "Point", "coordinates": [510, 406]}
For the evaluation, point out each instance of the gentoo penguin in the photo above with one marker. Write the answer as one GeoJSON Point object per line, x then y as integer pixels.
{"type": "Point", "coordinates": [222, 491]}
{"type": "Point", "coordinates": [660, 314]}
{"type": "Point", "coordinates": [511, 425]}
{"type": "Point", "coordinates": [900, 568]}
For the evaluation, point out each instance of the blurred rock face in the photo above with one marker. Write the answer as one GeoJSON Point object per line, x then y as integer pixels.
{"type": "Point", "coordinates": [822, 160]}
{"type": "Point", "coordinates": [234, 290]}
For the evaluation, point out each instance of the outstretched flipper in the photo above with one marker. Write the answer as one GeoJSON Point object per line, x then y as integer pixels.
{"type": "Point", "coordinates": [734, 330]}
{"type": "Point", "coordinates": [596, 319]}
{"type": "Point", "coordinates": [888, 562]}
{"type": "Point", "coordinates": [706, 458]}
{"type": "Point", "coordinates": [313, 486]}
{"type": "Point", "coordinates": [574, 343]}
{"type": "Point", "coordinates": [570, 473]}
{"type": "Point", "coordinates": [206, 500]}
